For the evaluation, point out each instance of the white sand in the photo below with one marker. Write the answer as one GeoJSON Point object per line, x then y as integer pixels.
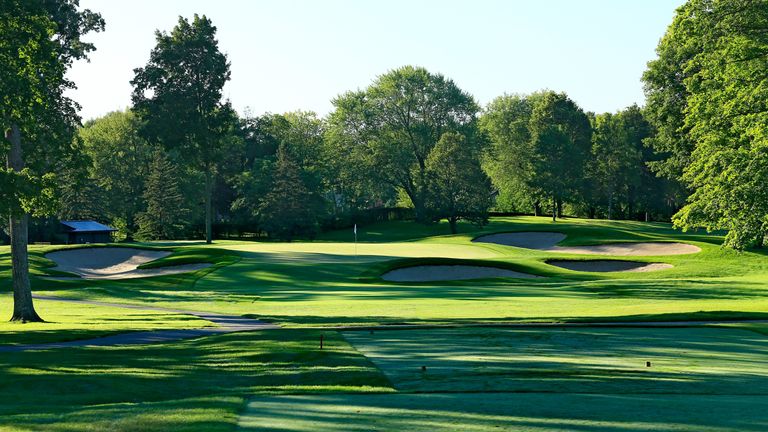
{"type": "Point", "coordinates": [547, 241]}
{"type": "Point", "coordinates": [610, 266]}
{"type": "Point", "coordinates": [115, 263]}
{"type": "Point", "coordinates": [427, 273]}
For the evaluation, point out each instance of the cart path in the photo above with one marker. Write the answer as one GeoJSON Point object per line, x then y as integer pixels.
{"type": "Point", "coordinates": [234, 323]}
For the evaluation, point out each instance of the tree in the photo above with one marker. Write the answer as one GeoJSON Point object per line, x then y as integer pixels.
{"type": "Point", "coordinates": [39, 40]}
{"type": "Point", "coordinates": [725, 116]}
{"type": "Point", "coordinates": [510, 155]}
{"type": "Point", "coordinates": [120, 161]}
{"type": "Point", "coordinates": [667, 95]}
{"type": "Point", "coordinates": [300, 135]}
{"type": "Point", "coordinates": [178, 95]}
{"type": "Point", "coordinates": [458, 187]}
{"type": "Point", "coordinates": [616, 160]}
{"type": "Point", "coordinates": [560, 144]}
{"type": "Point", "coordinates": [165, 214]}
{"type": "Point", "coordinates": [385, 133]}
{"type": "Point", "coordinates": [80, 196]}
{"type": "Point", "coordinates": [290, 209]}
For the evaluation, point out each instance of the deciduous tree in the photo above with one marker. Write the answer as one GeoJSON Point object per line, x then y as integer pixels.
{"type": "Point", "coordinates": [458, 187]}
{"type": "Point", "coordinates": [386, 132]}
{"type": "Point", "coordinates": [39, 40]}
{"type": "Point", "coordinates": [178, 95]}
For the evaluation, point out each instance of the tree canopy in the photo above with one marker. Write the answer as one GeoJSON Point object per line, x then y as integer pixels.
{"type": "Point", "coordinates": [388, 130]}
{"type": "Point", "coordinates": [178, 96]}
{"type": "Point", "coordinates": [722, 107]}
{"type": "Point", "coordinates": [39, 41]}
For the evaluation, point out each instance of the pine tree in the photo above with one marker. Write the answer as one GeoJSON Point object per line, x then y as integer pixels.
{"type": "Point", "coordinates": [290, 209]}
{"type": "Point", "coordinates": [165, 217]}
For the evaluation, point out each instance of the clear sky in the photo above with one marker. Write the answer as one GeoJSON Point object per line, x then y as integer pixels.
{"type": "Point", "coordinates": [299, 54]}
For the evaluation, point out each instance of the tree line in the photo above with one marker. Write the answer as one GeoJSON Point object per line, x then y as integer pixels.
{"type": "Point", "coordinates": [180, 161]}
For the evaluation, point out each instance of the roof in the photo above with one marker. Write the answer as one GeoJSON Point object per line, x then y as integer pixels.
{"type": "Point", "coordinates": [86, 226]}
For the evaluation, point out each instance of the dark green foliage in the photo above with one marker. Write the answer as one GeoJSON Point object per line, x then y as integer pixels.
{"type": "Point", "coordinates": [458, 187]}
{"type": "Point", "coordinates": [165, 216]}
{"type": "Point", "coordinates": [541, 144]}
{"type": "Point", "coordinates": [560, 142]}
{"type": "Point", "coordinates": [381, 137]}
{"type": "Point", "coordinates": [300, 136]}
{"type": "Point", "coordinates": [290, 209]}
{"type": "Point", "coordinates": [39, 40]}
{"type": "Point", "coordinates": [178, 95]}
{"type": "Point", "coordinates": [509, 156]}
{"type": "Point", "coordinates": [119, 161]}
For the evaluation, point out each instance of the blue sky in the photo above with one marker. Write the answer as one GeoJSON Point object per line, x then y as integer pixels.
{"type": "Point", "coordinates": [299, 54]}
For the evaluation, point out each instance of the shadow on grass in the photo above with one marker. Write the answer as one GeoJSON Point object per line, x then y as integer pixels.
{"type": "Point", "coordinates": [67, 384]}
{"type": "Point", "coordinates": [508, 412]}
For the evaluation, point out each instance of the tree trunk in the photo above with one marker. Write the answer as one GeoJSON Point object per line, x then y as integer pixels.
{"type": "Point", "coordinates": [452, 223]}
{"type": "Point", "coordinates": [23, 307]}
{"type": "Point", "coordinates": [560, 208]}
{"type": "Point", "coordinates": [208, 207]}
{"type": "Point", "coordinates": [130, 227]}
{"type": "Point", "coordinates": [537, 208]}
{"type": "Point", "coordinates": [610, 205]}
{"type": "Point", "coordinates": [554, 209]}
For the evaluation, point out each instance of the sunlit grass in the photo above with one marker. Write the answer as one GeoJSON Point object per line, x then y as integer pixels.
{"type": "Point", "coordinates": [192, 385]}
{"type": "Point", "coordinates": [70, 321]}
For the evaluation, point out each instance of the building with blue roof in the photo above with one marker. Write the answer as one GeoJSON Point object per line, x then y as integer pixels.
{"type": "Point", "coordinates": [87, 231]}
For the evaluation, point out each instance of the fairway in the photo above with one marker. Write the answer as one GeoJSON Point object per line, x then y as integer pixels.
{"type": "Point", "coordinates": [535, 378]}
{"type": "Point", "coordinates": [421, 243]}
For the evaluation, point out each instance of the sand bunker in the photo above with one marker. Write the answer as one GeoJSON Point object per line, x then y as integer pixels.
{"type": "Point", "coordinates": [609, 266]}
{"type": "Point", "coordinates": [114, 263]}
{"type": "Point", "coordinates": [428, 273]}
{"type": "Point", "coordinates": [547, 241]}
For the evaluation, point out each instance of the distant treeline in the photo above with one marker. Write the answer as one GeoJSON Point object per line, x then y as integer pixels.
{"type": "Point", "coordinates": [412, 145]}
{"type": "Point", "coordinates": [181, 162]}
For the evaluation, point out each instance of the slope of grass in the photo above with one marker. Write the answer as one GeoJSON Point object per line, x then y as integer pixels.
{"type": "Point", "coordinates": [335, 282]}
{"type": "Point", "coordinates": [67, 321]}
{"type": "Point", "coordinates": [186, 386]}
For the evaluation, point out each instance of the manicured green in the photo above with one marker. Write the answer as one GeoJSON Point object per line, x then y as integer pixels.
{"type": "Point", "coordinates": [324, 282]}
{"type": "Point", "coordinates": [701, 360]}
{"type": "Point", "coordinates": [516, 412]}
{"type": "Point", "coordinates": [700, 378]}
{"type": "Point", "coordinates": [68, 321]}
{"type": "Point", "coordinates": [185, 386]}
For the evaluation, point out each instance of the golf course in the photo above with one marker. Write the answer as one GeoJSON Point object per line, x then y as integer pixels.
{"type": "Point", "coordinates": [384, 216]}
{"type": "Point", "coordinates": [680, 348]}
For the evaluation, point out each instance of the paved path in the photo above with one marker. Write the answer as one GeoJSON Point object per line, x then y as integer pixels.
{"type": "Point", "coordinates": [226, 324]}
